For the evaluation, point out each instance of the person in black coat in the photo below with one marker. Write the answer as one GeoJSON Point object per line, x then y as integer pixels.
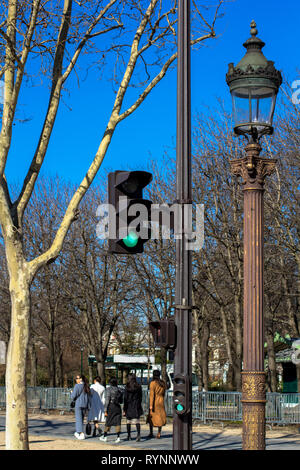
{"type": "Point", "coordinates": [112, 409]}
{"type": "Point", "coordinates": [133, 406]}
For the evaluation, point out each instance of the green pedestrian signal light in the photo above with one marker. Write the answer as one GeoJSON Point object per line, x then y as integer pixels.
{"type": "Point", "coordinates": [131, 240]}
{"type": "Point", "coordinates": [129, 214]}
{"type": "Point", "coordinates": [182, 394]}
{"type": "Point", "coordinates": [179, 408]}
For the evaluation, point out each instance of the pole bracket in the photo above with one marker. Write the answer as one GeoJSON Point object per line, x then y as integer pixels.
{"type": "Point", "coordinates": [184, 307]}
{"type": "Point", "coordinates": [183, 201]}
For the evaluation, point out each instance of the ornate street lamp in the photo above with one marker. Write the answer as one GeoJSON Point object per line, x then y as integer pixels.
{"type": "Point", "coordinates": [254, 84]}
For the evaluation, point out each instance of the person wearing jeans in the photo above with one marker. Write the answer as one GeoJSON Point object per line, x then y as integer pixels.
{"type": "Point", "coordinates": [82, 397]}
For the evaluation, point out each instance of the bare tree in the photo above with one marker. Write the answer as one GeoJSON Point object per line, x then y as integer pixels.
{"type": "Point", "coordinates": [283, 216]}
{"type": "Point", "coordinates": [49, 303]}
{"type": "Point", "coordinates": [222, 257]}
{"type": "Point", "coordinates": [99, 284]}
{"type": "Point", "coordinates": [57, 37]}
{"type": "Point", "coordinates": [4, 299]}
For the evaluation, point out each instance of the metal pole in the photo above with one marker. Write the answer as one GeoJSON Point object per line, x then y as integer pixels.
{"type": "Point", "coordinates": [253, 170]}
{"type": "Point", "coordinates": [182, 424]}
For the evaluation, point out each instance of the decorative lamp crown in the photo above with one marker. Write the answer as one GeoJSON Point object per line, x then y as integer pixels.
{"type": "Point", "coordinates": [254, 83]}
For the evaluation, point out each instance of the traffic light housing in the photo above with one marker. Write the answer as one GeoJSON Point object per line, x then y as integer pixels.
{"type": "Point", "coordinates": [164, 333]}
{"type": "Point", "coordinates": [181, 396]}
{"type": "Point", "coordinates": [127, 231]}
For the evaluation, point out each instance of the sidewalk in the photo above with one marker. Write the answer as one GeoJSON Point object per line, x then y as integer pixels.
{"type": "Point", "coordinates": [57, 433]}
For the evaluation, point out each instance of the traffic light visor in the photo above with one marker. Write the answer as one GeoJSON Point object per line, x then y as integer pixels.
{"type": "Point", "coordinates": [132, 182]}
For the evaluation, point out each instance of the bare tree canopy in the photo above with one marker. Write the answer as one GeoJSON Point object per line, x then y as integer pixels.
{"type": "Point", "coordinates": [50, 38]}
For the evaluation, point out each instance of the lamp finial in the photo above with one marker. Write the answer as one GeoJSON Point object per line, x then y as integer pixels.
{"type": "Point", "coordinates": [253, 30]}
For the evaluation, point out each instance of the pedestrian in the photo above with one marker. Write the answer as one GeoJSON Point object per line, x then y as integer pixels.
{"type": "Point", "coordinates": [112, 409]}
{"type": "Point", "coordinates": [96, 412]}
{"type": "Point", "coordinates": [82, 397]}
{"type": "Point", "coordinates": [133, 396]}
{"type": "Point", "coordinates": [157, 412]}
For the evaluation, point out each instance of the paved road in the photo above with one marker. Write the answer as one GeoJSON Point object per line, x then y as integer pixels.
{"type": "Point", "coordinates": [218, 440]}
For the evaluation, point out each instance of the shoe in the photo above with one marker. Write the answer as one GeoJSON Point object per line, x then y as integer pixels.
{"type": "Point", "coordinates": [79, 436]}
{"type": "Point", "coordinates": [103, 438]}
{"type": "Point", "coordinates": [158, 436]}
{"type": "Point", "coordinates": [138, 439]}
{"type": "Point", "coordinates": [128, 438]}
{"type": "Point", "coordinates": [117, 440]}
{"type": "Point", "coordinates": [76, 434]}
{"type": "Point", "coordinates": [150, 436]}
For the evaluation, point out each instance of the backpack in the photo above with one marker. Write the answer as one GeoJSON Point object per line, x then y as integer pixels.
{"type": "Point", "coordinates": [118, 398]}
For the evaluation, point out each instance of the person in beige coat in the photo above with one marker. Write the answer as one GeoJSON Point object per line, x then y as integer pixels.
{"type": "Point", "coordinates": [157, 412]}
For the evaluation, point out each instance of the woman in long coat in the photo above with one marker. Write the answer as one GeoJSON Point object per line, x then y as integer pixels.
{"type": "Point", "coordinates": [96, 412]}
{"type": "Point", "coordinates": [112, 409]}
{"type": "Point", "coordinates": [133, 406]}
{"type": "Point", "coordinates": [157, 412]}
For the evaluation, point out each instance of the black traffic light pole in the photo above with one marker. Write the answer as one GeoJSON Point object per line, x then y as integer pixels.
{"type": "Point", "coordinates": [182, 423]}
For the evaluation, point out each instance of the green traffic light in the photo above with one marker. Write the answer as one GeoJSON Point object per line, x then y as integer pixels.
{"type": "Point", "coordinates": [131, 240]}
{"type": "Point", "coordinates": [179, 407]}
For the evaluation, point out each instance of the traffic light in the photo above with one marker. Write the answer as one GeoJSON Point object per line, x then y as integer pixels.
{"type": "Point", "coordinates": [164, 333]}
{"type": "Point", "coordinates": [181, 394]}
{"type": "Point", "coordinates": [129, 213]}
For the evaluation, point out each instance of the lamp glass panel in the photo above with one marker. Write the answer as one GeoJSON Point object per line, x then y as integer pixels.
{"type": "Point", "coordinates": [262, 105]}
{"type": "Point", "coordinates": [253, 104]}
{"type": "Point", "coordinates": [240, 104]}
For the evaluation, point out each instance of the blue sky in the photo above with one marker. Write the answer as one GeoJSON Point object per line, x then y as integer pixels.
{"type": "Point", "coordinates": [151, 131]}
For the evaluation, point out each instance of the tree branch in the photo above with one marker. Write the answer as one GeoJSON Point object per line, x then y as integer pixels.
{"type": "Point", "coordinates": [57, 83]}
{"type": "Point", "coordinates": [156, 80]}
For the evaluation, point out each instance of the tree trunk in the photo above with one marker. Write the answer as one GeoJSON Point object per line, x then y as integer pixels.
{"type": "Point", "coordinates": [228, 340]}
{"type": "Point", "coordinates": [238, 344]}
{"type": "Point", "coordinates": [204, 355]}
{"type": "Point", "coordinates": [236, 369]}
{"type": "Point", "coordinates": [230, 378]}
{"type": "Point", "coordinates": [199, 371]}
{"type": "Point", "coordinates": [16, 403]}
{"type": "Point", "coordinates": [52, 362]}
{"type": "Point", "coordinates": [65, 381]}
{"type": "Point", "coordinates": [91, 374]}
{"type": "Point", "coordinates": [271, 361]}
{"type": "Point", "coordinates": [59, 370]}
{"type": "Point", "coordinates": [33, 365]}
{"type": "Point", "coordinates": [101, 371]}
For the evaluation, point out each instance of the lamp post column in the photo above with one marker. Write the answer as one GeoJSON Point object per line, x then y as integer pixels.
{"type": "Point", "coordinates": [182, 424]}
{"type": "Point", "coordinates": [253, 169]}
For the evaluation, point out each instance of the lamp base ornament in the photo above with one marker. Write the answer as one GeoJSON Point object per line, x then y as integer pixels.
{"type": "Point", "coordinates": [254, 402]}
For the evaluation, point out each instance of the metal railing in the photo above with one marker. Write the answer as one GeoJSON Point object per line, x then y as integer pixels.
{"type": "Point", "coordinates": [217, 406]}
{"type": "Point", "coordinates": [40, 398]}
{"type": "Point", "coordinates": [281, 408]}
